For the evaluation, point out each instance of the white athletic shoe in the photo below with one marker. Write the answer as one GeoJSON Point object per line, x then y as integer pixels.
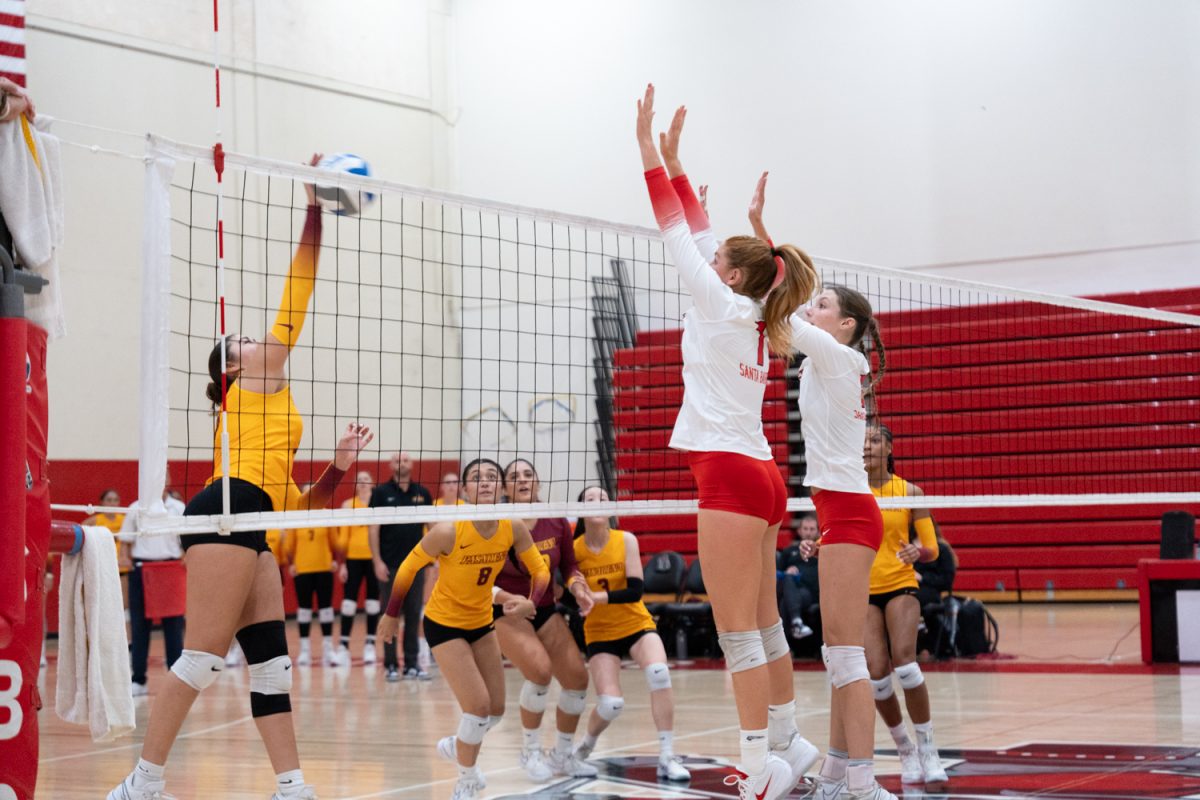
{"type": "Point", "coordinates": [369, 654]}
{"type": "Point", "coordinates": [931, 766]}
{"type": "Point", "coordinates": [911, 771]}
{"type": "Point", "coordinates": [446, 748]}
{"type": "Point", "coordinates": [152, 791]}
{"type": "Point", "coordinates": [672, 769]}
{"type": "Point", "coordinates": [307, 793]}
{"type": "Point", "coordinates": [328, 654]}
{"type": "Point", "coordinates": [468, 787]}
{"type": "Point", "coordinates": [305, 657]}
{"type": "Point", "coordinates": [582, 751]}
{"type": "Point", "coordinates": [875, 792]}
{"type": "Point", "coordinates": [825, 789]}
{"type": "Point", "coordinates": [570, 765]}
{"type": "Point", "coordinates": [535, 766]}
{"type": "Point", "coordinates": [138, 689]}
{"type": "Point", "coordinates": [800, 754]}
{"type": "Point", "coordinates": [341, 657]}
{"type": "Point", "coordinates": [774, 781]}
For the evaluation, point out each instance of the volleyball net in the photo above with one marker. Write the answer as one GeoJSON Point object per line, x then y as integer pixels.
{"type": "Point", "coordinates": [459, 328]}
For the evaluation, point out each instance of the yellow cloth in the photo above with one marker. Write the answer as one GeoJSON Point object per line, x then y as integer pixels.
{"type": "Point", "coordinates": [264, 432]}
{"type": "Point", "coordinates": [113, 522]}
{"type": "Point", "coordinates": [275, 541]}
{"type": "Point", "coordinates": [311, 549]}
{"type": "Point", "coordinates": [462, 596]}
{"type": "Point", "coordinates": [354, 541]}
{"type": "Point", "coordinates": [889, 573]}
{"type": "Point", "coordinates": [605, 571]}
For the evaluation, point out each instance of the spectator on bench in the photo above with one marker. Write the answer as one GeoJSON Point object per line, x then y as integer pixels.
{"type": "Point", "coordinates": [797, 587]}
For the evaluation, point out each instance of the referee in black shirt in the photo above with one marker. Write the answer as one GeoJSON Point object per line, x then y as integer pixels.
{"type": "Point", "coordinates": [390, 544]}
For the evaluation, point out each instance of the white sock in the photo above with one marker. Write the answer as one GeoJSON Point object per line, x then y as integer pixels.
{"type": "Point", "coordinates": [564, 743]}
{"type": "Point", "coordinates": [860, 774]}
{"type": "Point", "coordinates": [834, 766]}
{"type": "Point", "coordinates": [145, 773]}
{"type": "Point", "coordinates": [900, 736]}
{"type": "Point", "coordinates": [290, 784]}
{"type": "Point", "coordinates": [471, 771]}
{"type": "Point", "coordinates": [666, 744]}
{"type": "Point", "coordinates": [531, 738]}
{"type": "Point", "coordinates": [924, 733]}
{"type": "Point", "coordinates": [781, 724]}
{"type": "Point", "coordinates": [754, 751]}
{"type": "Point", "coordinates": [589, 742]}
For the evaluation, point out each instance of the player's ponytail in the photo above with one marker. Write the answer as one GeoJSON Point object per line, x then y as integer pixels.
{"type": "Point", "coordinates": [215, 370]}
{"type": "Point", "coordinates": [799, 282]}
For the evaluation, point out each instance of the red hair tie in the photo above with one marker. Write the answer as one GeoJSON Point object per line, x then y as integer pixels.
{"type": "Point", "coordinates": [780, 267]}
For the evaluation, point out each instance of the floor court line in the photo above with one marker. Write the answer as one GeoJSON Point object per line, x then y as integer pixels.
{"type": "Point", "coordinates": [136, 745]}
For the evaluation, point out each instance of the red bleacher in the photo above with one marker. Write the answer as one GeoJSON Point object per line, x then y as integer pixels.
{"type": "Point", "coordinates": [1000, 399]}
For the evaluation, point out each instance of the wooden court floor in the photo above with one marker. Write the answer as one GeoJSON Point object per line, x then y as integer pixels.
{"type": "Point", "coordinates": [1074, 714]}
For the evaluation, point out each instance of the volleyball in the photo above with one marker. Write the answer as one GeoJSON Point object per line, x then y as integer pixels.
{"type": "Point", "coordinates": [339, 199]}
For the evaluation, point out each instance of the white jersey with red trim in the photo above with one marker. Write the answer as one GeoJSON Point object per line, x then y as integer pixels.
{"type": "Point", "coordinates": [725, 360]}
{"type": "Point", "coordinates": [832, 418]}
{"type": "Point", "coordinates": [725, 354]}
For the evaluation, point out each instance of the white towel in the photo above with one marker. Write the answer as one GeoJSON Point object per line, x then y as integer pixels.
{"type": "Point", "coordinates": [31, 201]}
{"type": "Point", "coordinates": [93, 653]}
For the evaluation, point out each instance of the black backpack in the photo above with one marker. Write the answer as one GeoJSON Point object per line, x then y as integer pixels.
{"type": "Point", "coordinates": [977, 632]}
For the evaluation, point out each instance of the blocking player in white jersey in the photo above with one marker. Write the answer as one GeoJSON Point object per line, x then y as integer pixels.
{"type": "Point", "coordinates": [743, 293]}
{"type": "Point", "coordinates": [837, 333]}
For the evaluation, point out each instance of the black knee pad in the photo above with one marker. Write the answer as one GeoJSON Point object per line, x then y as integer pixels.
{"type": "Point", "coordinates": [263, 641]}
{"type": "Point", "coordinates": [265, 646]}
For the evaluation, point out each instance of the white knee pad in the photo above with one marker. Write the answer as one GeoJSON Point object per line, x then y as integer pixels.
{"type": "Point", "coordinates": [743, 650]}
{"type": "Point", "coordinates": [572, 701]}
{"type": "Point", "coordinates": [658, 677]}
{"type": "Point", "coordinates": [198, 669]}
{"type": "Point", "coordinates": [883, 687]}
{"type": "Point", "coordinates": [472, 728]}
{"type": "Point", "coordinates": [910, 675]}
{"type": "Point", "coordinates": [609, 706]}
{"type": "Point", "coordinates": [372, 607]}
{"type": "Point", "coordinates": [272, 677]}
{"type": "Point", "coordinates": [303, 615]}
{"type": "Point", "coordinates": [325, 615]}
{"type": "Point", "coordinates": [846, 665]}
{"type": "Point", "coordinates": [534, 697]}
{"type": "Point", "coordinates": [774, 642]}
{"type": "Point", "coordinates": [349, 608]}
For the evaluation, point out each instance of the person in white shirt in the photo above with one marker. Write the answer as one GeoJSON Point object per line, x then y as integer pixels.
{"type": "Point", "coordinates": [743, 293]}
{"type": "Point", "coordinates": [143, 548]}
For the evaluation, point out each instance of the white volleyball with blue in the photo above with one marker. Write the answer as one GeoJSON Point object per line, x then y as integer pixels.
{"type": "Point", "coordinates": [342, 200]}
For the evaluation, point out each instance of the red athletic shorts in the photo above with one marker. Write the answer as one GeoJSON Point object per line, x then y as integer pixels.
{"type": "Point", "coordinates": [741, 484]}
{"type": "Point", "coordinates": [848, 518]}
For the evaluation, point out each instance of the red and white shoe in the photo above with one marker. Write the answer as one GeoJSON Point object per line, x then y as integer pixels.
{"type": "Point", "coordinates": [773, 782]}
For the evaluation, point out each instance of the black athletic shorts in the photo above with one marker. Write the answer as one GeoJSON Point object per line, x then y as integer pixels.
{"type": "Point", "coordinates": [244, 497]}
{"type": "Point", "coordinates": [617, 647]}
{"type": "Point", "coordinates": [436, 633]}
{"type": "Point", "coordinates": [883, 598]}
{"type": "Point", "coordinates": [541, 615]}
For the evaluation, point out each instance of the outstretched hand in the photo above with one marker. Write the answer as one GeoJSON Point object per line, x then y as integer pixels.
{"type": "Point", "coordinates": [703, 192]}
{"type": "Point", "coordinates": [756, 208]}
{"type": "Point", "coordinates": [353, 441]}
{"type": "Point", "coordinates": [668, 143]}
{"type": "Point", "coordinates": [309, 189]}
{"type": "Point", "coordinates": [645, 135]}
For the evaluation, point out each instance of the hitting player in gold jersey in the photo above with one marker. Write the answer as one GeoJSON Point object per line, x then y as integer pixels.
{"type": "Point", "coordinates": [458, 618]}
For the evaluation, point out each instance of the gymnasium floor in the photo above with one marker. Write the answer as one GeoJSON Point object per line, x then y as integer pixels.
{"type": "Point", "coordinates": [1073, 714]}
